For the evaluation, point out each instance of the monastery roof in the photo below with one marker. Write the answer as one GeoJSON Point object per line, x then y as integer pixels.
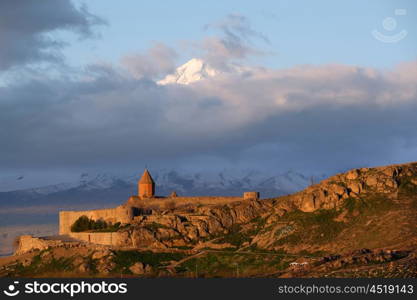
{"type": "Point", "coordinates": [146, 177]}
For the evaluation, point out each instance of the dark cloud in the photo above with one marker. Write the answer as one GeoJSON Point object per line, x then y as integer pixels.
{"type": "Point", "coordinates": [318, 118]}
{"type": "Point", "coordinates": [322, 118]}
{"type": "Point", "coordinates": [26, 29]}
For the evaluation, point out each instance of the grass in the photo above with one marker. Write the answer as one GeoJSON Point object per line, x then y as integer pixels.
{"type": "Point", "coordinates": [92, 264]}
{"type": "Point", "coordinates": [370, 205]}
{"type": "Point", "coordinates": [39, 266]}
{"type": "Point", "coordinates": [183, 247]}
{"type": "Point", "coordinates": [414, 203]}
{"type": "Point", "coordinates": [259, 221]}
{"type": "Point", "coordinates": [125, 259]}
{"type": "Point", "coordinates": [154, 226]}
{"type": "Point", "coordinates": [286, 230]}
{"type": "Point", "coordinates": [259, 224]}
{"type": "Point", "coordinates": [310, 254]}
{"type": "Point", "coordinates": [407, 187]}
{"type": "Point", "coordinates": [352, 204]}
{"type": "Point", "coordinates": [233, 264]}
{"type": "Point", "coordinates": [317, 227]}
{"type": "Point", "coordinates": [321, 227]}
{"type": "Point", "coordinates": [236, 236]}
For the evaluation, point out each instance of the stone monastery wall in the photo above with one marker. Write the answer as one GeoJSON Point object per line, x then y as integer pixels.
{"type": "Point", "coordinates": [145, 199]}
{"type": "Point", "coordinates": [204, 200]}
{"type": "Point", "coordinates": [120, 214]}
{"type": "Point", "coordinates": [99, 238]}
{"type": "Point", "coordinates": [125, 213]}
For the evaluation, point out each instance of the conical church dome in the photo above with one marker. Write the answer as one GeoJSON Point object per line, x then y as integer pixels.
{"type": "Point", "coordinates": [146, 185]}
{"type": "Point", "coordinates": [146, 178]}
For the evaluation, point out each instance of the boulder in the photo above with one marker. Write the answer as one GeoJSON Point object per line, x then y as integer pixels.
{"type": "Point", "coordinates": [137, 268]}
{"type": "Point", "coordinates": [308, 203]}
{"type": "Point", "coordinates": [355, 187]}
{"type": "Point", "coordinates": [372, 181]}
{"type": "Point", "coordinates": [83, 268]}
{"type": "Point", "coordinates": [100, 254]}
{"type": "Point", "coordinates": [148, 269]}
{"type": "Point", "coordinates": [105, 266]}
{"type": "Point", "coordinates": [352, 175]}
{"type": "Point", "coordinates": [27, 262]}
{"type": "Point", "coordinates": [77, 261]}
{"type": "Point", "coordinates": [338, 189]}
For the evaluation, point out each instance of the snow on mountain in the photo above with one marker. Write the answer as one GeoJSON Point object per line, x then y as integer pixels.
{"type": "Point", "coordinates": [86, 182]}
{"type": "Point", "coordinates": [228, 182]}
{"type": "Point", "coordinates": [192, 71]}
{"type": "Point", "coordinates": [225, 182]}
{"type": "Point", "coordinates": [197, 69]}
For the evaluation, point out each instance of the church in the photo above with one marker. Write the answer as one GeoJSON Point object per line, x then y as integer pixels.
{"type": "Point", "coordinates": [145, 202]}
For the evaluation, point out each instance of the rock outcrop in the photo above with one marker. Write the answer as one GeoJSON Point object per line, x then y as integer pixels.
{"type": "Point", "coordinates": [183, 228]}
{"type": "Point", "coordinates": [189, 226]}
{"type": "Point", "coordinates": [331, 192]}
{"type": "Point", "coordinates": [27, 243]}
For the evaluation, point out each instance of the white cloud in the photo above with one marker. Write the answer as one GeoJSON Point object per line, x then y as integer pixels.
{"type": "Point", "coordinates": [157, 61]}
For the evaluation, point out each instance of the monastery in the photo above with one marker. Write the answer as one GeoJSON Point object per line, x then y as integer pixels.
{"type": "Point", "coordinates": [138, 205]}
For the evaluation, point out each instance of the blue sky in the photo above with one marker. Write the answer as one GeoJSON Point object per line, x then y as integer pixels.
{"type": "Point", "coordinates": [300, 32]}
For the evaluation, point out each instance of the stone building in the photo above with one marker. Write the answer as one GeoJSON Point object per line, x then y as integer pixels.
{"type": "Point", "coordinates": [139, 204]}
{"type": "Point", "coordinates": [146, 186]}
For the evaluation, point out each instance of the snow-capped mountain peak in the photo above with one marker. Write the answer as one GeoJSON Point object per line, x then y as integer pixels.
{"type": "Point", "coordinates": [194, 70]}
{"type": "Point", "coordinates": [198, 69]}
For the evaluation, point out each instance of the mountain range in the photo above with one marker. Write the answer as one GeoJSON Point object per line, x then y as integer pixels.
{"type": "Point", "coordinates": [167, 180]}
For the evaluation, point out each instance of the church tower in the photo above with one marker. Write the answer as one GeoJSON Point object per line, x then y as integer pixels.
{"type": "Point", "coordinates": [146, 186]}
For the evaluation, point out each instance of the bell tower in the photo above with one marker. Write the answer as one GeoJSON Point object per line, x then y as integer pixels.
{"type": "Point", "coordinates": [146, 185]}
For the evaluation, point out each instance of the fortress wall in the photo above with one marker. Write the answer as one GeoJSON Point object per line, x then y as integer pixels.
{"type": "Point", "coordinates": [118, 214]}
{"type": "Point", "coordinates": [124, 214]}
{"type": "Point", "coordinates": [28, 243]}
{"type": "Point", "coordinates": [100, 238]}
{"type": "Point", "coordinates": [205, 200]}
{"type": "Point", "coordinates": [251, 195]}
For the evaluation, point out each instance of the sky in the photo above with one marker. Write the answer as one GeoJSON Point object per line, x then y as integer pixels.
{"type": "Point", "coordinates": [331, 85]}
{"type": "Point", "coordinates": [332, 31]}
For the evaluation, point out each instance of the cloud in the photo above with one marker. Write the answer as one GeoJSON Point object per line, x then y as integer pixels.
{"type": "Point", "coordinates": [309, 117]}
{"type": "Point", "coordinates": [320, 118]}
{"type": "Point", "coordinates": [156, 61]}
{"type": "Point", "coordinates": [236, 41]}
{"type": "Point", "coordinates": [236, 27]}
{"type": "Point", "coordinates": [26, 29]}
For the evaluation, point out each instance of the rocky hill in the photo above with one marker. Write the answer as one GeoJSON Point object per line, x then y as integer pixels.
{"type": "Point", "coordinates": [357, 223]}
{"type": "Point", "coordinates": [325, 216]}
